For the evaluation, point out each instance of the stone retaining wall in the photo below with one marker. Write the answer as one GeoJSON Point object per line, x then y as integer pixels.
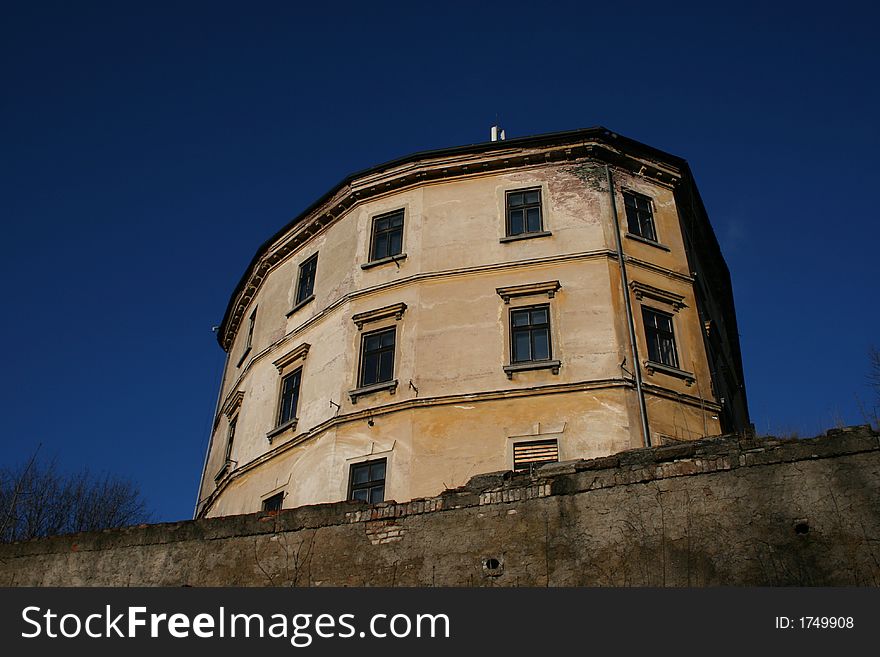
{"type": "Point", "coordinates": [725, 511]}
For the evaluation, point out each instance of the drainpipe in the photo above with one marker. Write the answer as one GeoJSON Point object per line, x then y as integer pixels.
{"type": "Point", "coordinates": [211, 436]}
{"type": "Point", "coordinates": [637, 370]}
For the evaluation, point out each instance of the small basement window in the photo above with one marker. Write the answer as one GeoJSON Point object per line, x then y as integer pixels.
{"type": "Point", "coordinates": [367, 481]}
{"type": "Point", "coordinates": [273, 503]}
{"type": "Point", "coordinates": [534, 452]}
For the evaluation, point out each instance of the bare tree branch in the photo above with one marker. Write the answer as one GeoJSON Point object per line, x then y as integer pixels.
{"type": "Point", "coordinates": [16, 492]}
{"type": "Point", "coordinates": [874, 370]}
{"type": "Point", "coordinates": [872, 413]}
{"type": "Point", "coordinates": [40, 501]}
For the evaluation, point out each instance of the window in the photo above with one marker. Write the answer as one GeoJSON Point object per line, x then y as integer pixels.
{"type": "Point", "coordinates": [524, 212]}
{"type": "Point", "coordinates": [305, 286]}
{"type": "Point", "coordinates": [273, 503]}
{"type": "Point", "coordinates": [230, 438]}
{"type": "Point", "coordinates": [535, 452]}
{"type": "Point", "coordinates": [530, 334]}
{"type": "Point", "coordinates": [639, 216]}
{"type": "Point", "coordinates": [660, 337]}
{"type": "Point", "coordinates": [387, 236]}
{"type": "Point", "coordinates": [249, 339]}
{"type": "Point", "coordinates": [367, 482]}
{"type": "Point", "coordinates": [250, 333]}
{"type": "Point", "coordinates": [377, 357]}
{"type": "Point", "coordinates": [289, 397]}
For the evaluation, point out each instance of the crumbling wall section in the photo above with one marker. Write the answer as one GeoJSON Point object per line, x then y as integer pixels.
{"type": "Point", "coordinates": [727, 511]}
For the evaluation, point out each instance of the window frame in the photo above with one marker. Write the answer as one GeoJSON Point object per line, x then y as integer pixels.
{"type": "Point", "coordinates": [280, 420]}
{"type": "Point", "coordinates": [652, 222]}
{"type": "Point", "coordinates": [225, 466]}
{"type": "Point", "coordinates": [525, 233]}
{"type": "Point", "coordinates": [249, 339]}
{"type": "Point", "coordinates": [252, 322]}
{"type": "Point", "coordinates": [374, 233]}
{"type": "Point", "coordinates": [270, 501]}
{"type": "Point", "coordinates": [363, 355]}
{"type": "Point", "coordinates": [370, 484]}
{"type": "Point", "coordinates": [530, 328]}
{"type": "Point", "coordinates": [655, 329]}
{"type": "Point", "coordinates": [300, 298]}
{"type": "Point", "coordinates": [230, 438]}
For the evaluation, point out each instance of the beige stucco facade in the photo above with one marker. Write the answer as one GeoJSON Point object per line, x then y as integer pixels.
{"type": "Point", "coordinates": [455, 407]}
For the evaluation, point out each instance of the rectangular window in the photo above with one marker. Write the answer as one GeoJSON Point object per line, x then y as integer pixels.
{"type": "Point", "coordinates": [639, 215]}
{"type": "Point", "coordinates": [387, 238]}
{"type": "Point", "coordinates": [524, 212]}
{"type": "Point", "coordinates": [530, 334]}
{"type": "Point", "coordinates": [377, 357]}
{"type": "Point", "coordinates": [230, 438]}
{"type": "Point", "coordinates": [305, 286]}
{"type": "Point", "coordinates": [534, 452]}
{"type": "Point", "coordinates": [249, 338]}
{"type": "Point", "coordinates": [250, 334]}
{"type": "Point", "coordinates": [660, 337]}
{"type": "Point", "coordinates": [289, 397]}
{"type": "Point", "coordinates": [273, 503]}
{"type": "Point", "coordinates": [367, 482]}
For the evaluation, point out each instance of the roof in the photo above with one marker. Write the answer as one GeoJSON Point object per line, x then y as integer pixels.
{"type": "Point", "coordinates": [597, 133]}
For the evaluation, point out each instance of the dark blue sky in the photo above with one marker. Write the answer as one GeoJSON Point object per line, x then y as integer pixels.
{"type": "Point", "coordinates": [148, 149]}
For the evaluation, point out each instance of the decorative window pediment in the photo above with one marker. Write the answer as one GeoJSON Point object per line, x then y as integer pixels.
{"type": "Point", "coordinates": [532, 289]}
{"type": "Point", "coordinates": [299, 353]}
{"type": "Point", "coordinates": [395, 310]}
{"type": "Point", "coordinates": [233, 403]}
{"type": "Point", "coordinates": [642, 290]}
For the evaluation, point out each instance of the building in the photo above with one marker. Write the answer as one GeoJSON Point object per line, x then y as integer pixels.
{"type": "Point", "coordinates": [474, 309]}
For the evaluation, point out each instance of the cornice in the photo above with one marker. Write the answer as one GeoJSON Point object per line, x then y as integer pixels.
{"type": "Point", "coordinates": [682, 398]}
{"type": "Point", "coordinates": [334, 306]}
{"type": "Point", "coordinates": [376, 412]}
{"type": "Point", "coordinates": [650, 266]}
{"type": "Point", "coordinates": [442, 166]}
{"type": "Point", "coordinates": [397, 407]}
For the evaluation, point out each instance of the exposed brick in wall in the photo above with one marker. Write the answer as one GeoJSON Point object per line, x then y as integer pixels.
{"type": "Point", "coordinates": [728, 511]}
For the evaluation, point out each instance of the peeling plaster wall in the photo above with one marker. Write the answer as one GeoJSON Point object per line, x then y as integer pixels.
{"type": "Point", "coordinates": [728, 511]}
{"type": "Point", "coordinates": [454, 409]}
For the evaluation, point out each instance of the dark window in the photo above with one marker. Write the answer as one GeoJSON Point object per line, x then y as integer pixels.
{"type": "Point", "coordinates": [524, 212]}
{"type": "Point", "coordinates": [250, 333]}
{"type": "Point", "coordinates": [289, 397]}
{"type": "Point", "coordinates": [273, 503]}
{"type": "Point", "coordinates": [387, 235]}
{"type": "Point", "coordinates": [660, 337]}
{"type": "Point", "coordinates": [306, 285]}
{"type": "Point", "coordinates": [230, 437]}
{"type": "Point", "coordinates": [367, 482]}
{"type": "Point", "coordinates": [377, 357]}
{"type": "Point", "coordinates": [534, 452]}
{"type": "Point", "coordinates": [639, 216]}
{"type": "Point", "coordinates": [530, 334]}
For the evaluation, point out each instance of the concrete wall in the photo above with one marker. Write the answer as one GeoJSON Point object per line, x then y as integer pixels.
{"type": "Point", "coordinates": [727, 511]}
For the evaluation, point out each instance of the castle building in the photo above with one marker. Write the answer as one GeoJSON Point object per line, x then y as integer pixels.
{"type": "Point", "coordinates": [488, 307]}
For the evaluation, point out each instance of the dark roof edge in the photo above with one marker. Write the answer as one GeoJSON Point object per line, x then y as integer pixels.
{"type": "Point", "coordinates": [596, 132]}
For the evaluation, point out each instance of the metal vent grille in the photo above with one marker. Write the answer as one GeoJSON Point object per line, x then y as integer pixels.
{"type": "Point", "coordinates": [534, 452]}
